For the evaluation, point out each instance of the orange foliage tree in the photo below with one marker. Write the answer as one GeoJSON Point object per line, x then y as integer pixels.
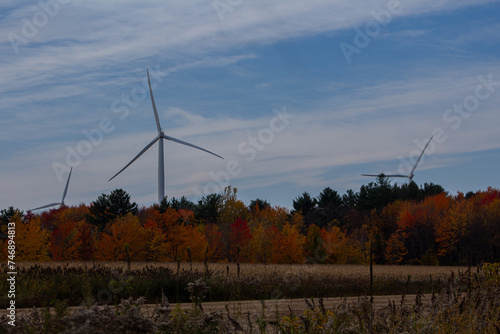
{"type": "Point", "coordinates": [213, 237]}
{"type": "Point", "coordinates": [289, 245]}
{"type": "Point", "coordinates": [453, 228]}
{"type": "Point", "coordinates": [417, 223]}
{"type": "Point", "coordinates": [123, 239]}
{"type": "Point", "coordinates": [63, 242]}
{"type": "Point", "coordinates": [194, 244]}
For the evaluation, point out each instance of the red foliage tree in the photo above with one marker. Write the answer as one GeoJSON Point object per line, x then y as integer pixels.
{"type": "Point", "coordinates": [239, 236]}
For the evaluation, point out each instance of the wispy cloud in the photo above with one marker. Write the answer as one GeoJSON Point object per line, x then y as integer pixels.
{"type": "Point", "coordinates": [65, 79]}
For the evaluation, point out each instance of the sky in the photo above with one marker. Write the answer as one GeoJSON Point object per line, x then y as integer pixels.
{"type": "Point", "coordinates": [295, 95]}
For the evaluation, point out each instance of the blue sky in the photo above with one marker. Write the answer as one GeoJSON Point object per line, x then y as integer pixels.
{"type": "Point", "coordinates": [361, 83]}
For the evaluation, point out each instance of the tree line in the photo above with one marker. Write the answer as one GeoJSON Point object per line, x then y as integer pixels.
{"type": "Point", "coordinates": [396, 224]}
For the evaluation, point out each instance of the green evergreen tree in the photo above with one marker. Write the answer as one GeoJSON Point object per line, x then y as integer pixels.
{"type": "Point", "coordinates": [109, 207]}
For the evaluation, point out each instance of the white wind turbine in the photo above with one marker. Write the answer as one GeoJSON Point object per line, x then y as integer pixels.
{"type": "Point", "coordinates": [63, 197]}
{"type": "Point", "coordinates": [409, 176]}
{"type": "Point", "coordinates": [159, 138]}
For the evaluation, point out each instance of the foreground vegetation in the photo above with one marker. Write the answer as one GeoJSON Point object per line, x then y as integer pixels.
{"type": "Point", "coordinates": [468, 303]}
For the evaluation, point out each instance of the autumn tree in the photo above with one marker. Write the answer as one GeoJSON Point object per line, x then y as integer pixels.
{"type": "Point", "coordinates": [417, 224]}
{"type": "Point", "coordinates": [194, 244]}
{"type": "Point", "coordinates": [492, 253]}
{"type": "Point", "coordinates": [314, 249]}
{"type": "Point", "coordinates": [332, 243]}
{"type": "Point", "coordinates": [50, 219]}
{"type": "Point", "coordinates": [261, 244]}
{"type": "Point", "coordinates": [452, 231]}
{"type": "Point", "coordinates": [32, 241]}
{"type": "Point", "coordinates": [163, 234]}
{"type": "Point", "coordinates": [239, 238]}
{"type": "Point", "coordinates": [288, 246]}
{"type": "Point", "coordinates": [75, 213]}
{"type": "Point", "coordinates": [215, 244]}
{"type": "Point", "coordinates": [156, 244]}
{"type": "Point", "coordinates": [395, 250]}
{"type": "Point", "coordinates": [63, 242]}
{"type": "Point", "coordinates": [123, 240]}
{"type": "Point", "coordinates": [231, 208]}
{"type": "Point", "coordinates": [484, 229]}
{"type": "Point", "coordinates": [269, 216]}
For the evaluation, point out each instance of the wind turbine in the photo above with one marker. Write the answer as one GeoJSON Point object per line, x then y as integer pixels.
{"type": "Point", "coordinates": [63, 197]}
{"type": "Point", "coordinates": [159, 138]}
{"type": "Point", "coordinates": [409, 176]}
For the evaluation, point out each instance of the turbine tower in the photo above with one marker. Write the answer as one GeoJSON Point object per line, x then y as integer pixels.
{"type": "Point", "coordinates": [409, 176]}
{"type": "Point", "coordinates": [63, 197]}
{"type": "Point", "coordinates": [161, 135]}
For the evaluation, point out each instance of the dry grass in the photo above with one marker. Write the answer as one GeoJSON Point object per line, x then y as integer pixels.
{"type": "Point", "coordinates": [341, 271]}
{"type": "Point", "coordinates": [468, 303]}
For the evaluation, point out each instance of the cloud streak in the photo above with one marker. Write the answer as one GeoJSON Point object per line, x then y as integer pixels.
{"type": "Point", "coordinates": [219, 88]}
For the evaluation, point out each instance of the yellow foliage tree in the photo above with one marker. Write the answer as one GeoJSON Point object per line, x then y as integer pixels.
{"type": "Point", "coordinates": [32, 241]}
{"type": "Point", "coordinates": [261, 245]}
{"type": "Point", "coordinates": [297, 220]}
{"type": "Point", "coordinates": [270, 216]}
{"type": "Point", "coordinates": [453, 226]}
{"type": "Point", "coordinates": [156, 247]}
{"type": "Point", "coordinates": [231, 208]}
{"type": "Point", "coordinates": [395, 250]}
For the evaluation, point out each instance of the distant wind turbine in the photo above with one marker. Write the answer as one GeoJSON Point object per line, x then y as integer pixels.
{"type": "Point", "coordinates": [63, 197]}
{"type": "Point", "coordinates": [159, 138]}
{"type": "Point", "coordinates": [409, 176]}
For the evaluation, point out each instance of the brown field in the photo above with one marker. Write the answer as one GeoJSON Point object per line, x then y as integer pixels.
{"type": "Point", "coordinates": [464, 304]}
{"type": "Point", "coordinates": [255, 269]}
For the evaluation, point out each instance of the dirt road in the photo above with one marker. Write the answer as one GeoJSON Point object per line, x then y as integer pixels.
{"type": "Point", "coordinates": [273, 309]}
{"type": "Point", "coordinates": [281, 307]}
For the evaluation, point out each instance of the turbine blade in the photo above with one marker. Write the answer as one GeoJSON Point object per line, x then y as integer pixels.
{"type": "Point", "coordinates": [420, 157]}
{"type": "Point", "coordinates": [396, 175]}
{"type": "Point", "coordinates": [191, 145]}
{"type": "Point", "coordinates": [370, 175]}
{"type": "Point", "coordinates": [66, 188]}
{"type": "Point", "coordinates": [157, 119]}
{"type": "Point", "coordinates": [136, 157]}
{"type": "Point", "coordinates": [46, 206]}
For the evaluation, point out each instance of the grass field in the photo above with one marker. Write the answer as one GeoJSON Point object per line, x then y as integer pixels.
{"type": "Point", "coordinates": [39, 284]}
{"type": "Point", "coordinates": [338, 270]}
